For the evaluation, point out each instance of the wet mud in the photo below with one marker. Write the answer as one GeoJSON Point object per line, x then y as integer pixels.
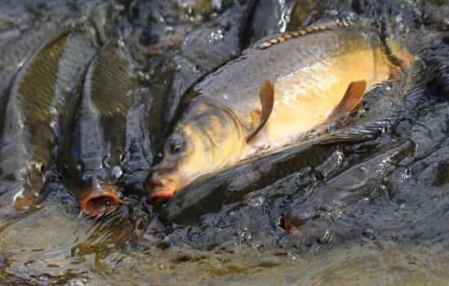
{"type": "Point", "coordinates": [364, 203]}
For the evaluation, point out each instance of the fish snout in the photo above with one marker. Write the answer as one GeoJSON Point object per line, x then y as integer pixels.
{"type": "Point", "coordinates": [160, 186]}
{"type": "Point", "coordinates": [99, 199]}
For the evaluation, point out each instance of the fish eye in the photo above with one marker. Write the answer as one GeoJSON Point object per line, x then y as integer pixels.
{"type": "Point", "coordinates": [176, 144]}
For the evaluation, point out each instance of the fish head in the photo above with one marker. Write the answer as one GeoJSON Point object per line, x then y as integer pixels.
{"type": "Point", "coordinates": [181, 154]}
{"type": "Point", "coordinates": [99, 198]}
{"type": "Point", "coordinates": [206, 141]}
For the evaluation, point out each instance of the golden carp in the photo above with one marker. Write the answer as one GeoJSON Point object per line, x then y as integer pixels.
{"type": "Point", "coordinates": [276, 92]}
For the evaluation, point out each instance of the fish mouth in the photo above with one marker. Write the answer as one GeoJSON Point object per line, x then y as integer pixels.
{"type": "Point", "coordinates": [160, 190]}
{"type": "Point", "coordinates": [99, 200]}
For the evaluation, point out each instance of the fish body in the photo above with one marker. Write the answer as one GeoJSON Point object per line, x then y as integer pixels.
{"type": "Point", "coordinates": [93, 154]}
{"type": "Point", "coordinates": [309, 74]}
{"type": "Point", "coordinates": [39, 107]}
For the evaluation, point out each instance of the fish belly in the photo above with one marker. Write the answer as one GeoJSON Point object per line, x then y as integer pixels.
{"type": "Point", "coordinates": [305, 99]}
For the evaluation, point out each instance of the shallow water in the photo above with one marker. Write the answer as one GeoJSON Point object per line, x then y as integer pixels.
{"type": "Point", "coordinates": [366, 205]}
{"type": "Point", "coordinates": [70, 257]}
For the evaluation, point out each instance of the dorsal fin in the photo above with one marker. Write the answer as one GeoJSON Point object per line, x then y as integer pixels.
{"type": "Point", "coordinates": [266, 95]}
{"type": "Point", "coordinates": [268, 43]}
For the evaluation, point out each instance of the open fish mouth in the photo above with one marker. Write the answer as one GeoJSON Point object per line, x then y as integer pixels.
{"type": "Point", "coordinates": [99, 201]}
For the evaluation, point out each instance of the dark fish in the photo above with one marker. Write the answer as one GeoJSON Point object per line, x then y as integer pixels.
{"type": "Point", "coordinates": [40, 104]}
{"type": "Point", "coordinates": [100, 134]}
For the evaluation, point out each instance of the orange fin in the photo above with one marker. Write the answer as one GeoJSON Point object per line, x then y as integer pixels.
{"type": "Point", "coordinates": [352, 98]}
{"type": "Point", "coordinates": [266, 95]}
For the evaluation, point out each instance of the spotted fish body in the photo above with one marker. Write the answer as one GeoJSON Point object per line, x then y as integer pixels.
{"type": "Point", "coordinates": [310, 72]}
{"type": "Point", "coordinates": [40, 104]}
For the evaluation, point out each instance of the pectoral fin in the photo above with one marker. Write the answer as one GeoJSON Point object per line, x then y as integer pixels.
{"type": "Point", "coordinates": [352, 98]}
{"type": "Point", "coordinates": [266, 95]}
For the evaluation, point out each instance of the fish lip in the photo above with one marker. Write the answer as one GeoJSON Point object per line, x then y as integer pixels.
{"type": "Point", "coordinates": [160, 189]}
{"type": "Point", "coordinates": [99, 200]}
{"type": "Point", "coordinates": [158, 178]}
{"type": "Point", "coordinates": [153, 184]}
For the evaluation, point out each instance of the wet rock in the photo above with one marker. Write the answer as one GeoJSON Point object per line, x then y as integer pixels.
{"type": "Point", "coordinates": [202, 7]}
{"type": "Point", "coordinates": [105, 18]}
{"type": "Point", "coordinates": [316, 234]}
{"type": "Point", "coordinates": [276, 16]}
{"type": "Point", "coordinates": [270, 17]}
{"type": "Point", "coordinates": [432, 171]}
{"type": "Point", "coordinates": [207, 48]}
{"type": "Point", "coordinates": [442, 174]}
{"type": "Point", "coordinates": [357, 185]}
{"type": "Point", "coordinates": [303, 13]}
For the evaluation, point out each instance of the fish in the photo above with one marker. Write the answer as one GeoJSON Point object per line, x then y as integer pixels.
{"type": "Point", "coordinates": [278, 91]}
{"type": "Point", "coordinates": [40, 103]}
{"type": "Point", "coordinates": [93, 155]}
